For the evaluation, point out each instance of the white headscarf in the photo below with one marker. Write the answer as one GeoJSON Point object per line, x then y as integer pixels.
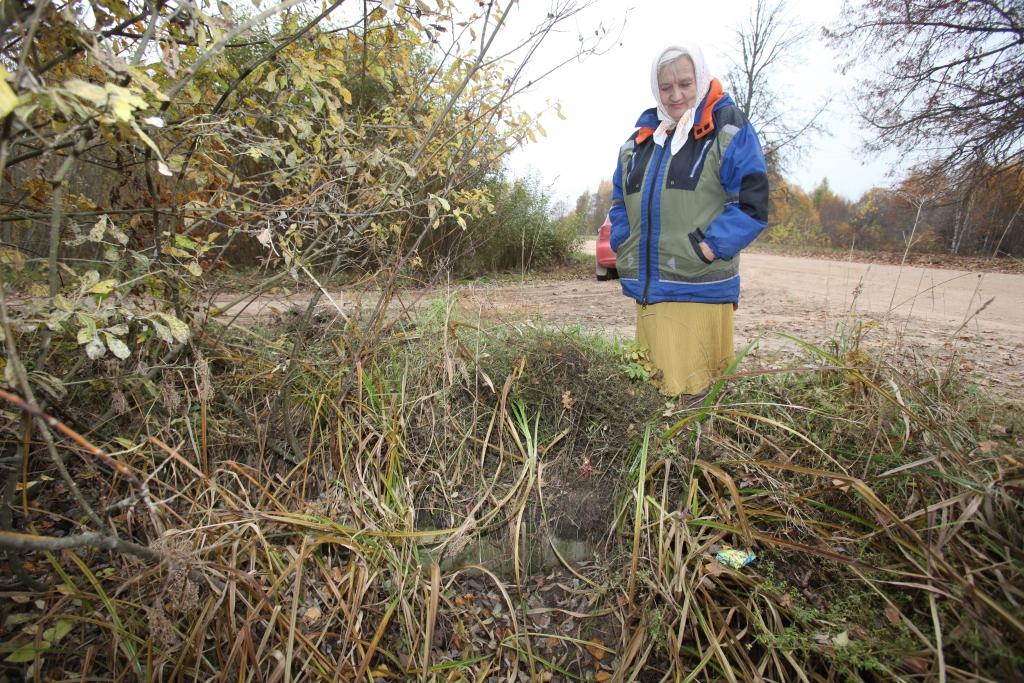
{"type": "Point", "coordinates": [685, 122]}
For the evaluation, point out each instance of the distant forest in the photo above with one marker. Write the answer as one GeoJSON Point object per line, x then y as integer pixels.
{"type": "Point", "coordinates": [928, 212]}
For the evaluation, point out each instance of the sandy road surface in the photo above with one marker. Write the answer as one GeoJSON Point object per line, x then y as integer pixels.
{"type": "Point", "coordinates": [934, 312]}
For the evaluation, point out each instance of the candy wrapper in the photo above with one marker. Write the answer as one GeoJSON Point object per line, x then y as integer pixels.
{"type": "Point", "coordinates": [736, 559]}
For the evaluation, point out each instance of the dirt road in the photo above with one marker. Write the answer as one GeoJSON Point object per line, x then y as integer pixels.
{"type": "Point", "coordinates": [937, 313]}
{"type": "Point", "coordinates": [933, 312]}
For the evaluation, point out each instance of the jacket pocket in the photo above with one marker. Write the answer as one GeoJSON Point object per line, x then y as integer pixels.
{"type": "Point", "coordinates": [696, 237]}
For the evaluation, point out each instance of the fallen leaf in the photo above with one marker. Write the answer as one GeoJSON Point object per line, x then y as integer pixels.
{"type": "Point", "coordinates": [312, 615]}
{"type": "Point", "coordinates": [893, 615]}
{"type": "Point", "coordinates": [595, 650]}
{"type": "Point", "coordinates": [918, 664]}
{"type": "Point", "coordinates": [714, 568]}
{"type": "Point", "coordinates": [19, 618]}
{"type": "Point", "coordinates": [841, 640]}
{"type": "Point", "coordinates": [859, 632]}
{"type": "Point", "coordinates": [602, 676]}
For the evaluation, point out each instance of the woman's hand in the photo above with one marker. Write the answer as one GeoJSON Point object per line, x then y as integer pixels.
{"type": "Point", "coordinates": [706, 250]}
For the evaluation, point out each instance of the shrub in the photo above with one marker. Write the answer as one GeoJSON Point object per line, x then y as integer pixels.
{"type": "Point", "coordinates": [519, 234]}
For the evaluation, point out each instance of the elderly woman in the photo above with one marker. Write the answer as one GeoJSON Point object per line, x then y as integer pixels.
{"type": "Point", "coordinates": [689, 192]}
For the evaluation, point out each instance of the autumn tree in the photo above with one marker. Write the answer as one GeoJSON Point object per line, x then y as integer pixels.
{"type": "Point", "coordinates": [971, 219]}
{"type": "Point", "coordinates": [834, 212]}
{"type": "Point", "coordinates": [584, 209]}
{"type": "Point", "coordinates": [602, 203]}
{"type": "Point", "coordinates": [946, 79]}
{"type": "Point", "coordinates": [795, 221]}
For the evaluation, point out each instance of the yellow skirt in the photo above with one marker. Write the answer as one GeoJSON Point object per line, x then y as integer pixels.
{"type": "Point", "coordinates": [690, 343]}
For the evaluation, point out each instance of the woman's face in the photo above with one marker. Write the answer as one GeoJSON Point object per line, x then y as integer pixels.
{"type": "Point", "coordinates": [677, 86]}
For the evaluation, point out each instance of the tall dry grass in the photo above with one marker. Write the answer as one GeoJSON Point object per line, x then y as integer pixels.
{"type": "Point", "coordinates": [882, 502]}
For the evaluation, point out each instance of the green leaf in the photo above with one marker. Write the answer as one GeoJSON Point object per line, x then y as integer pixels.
{"type": "Point", "coordinates": [184, 242]}
{"type": "Point", "coordinates": [19, 618]}
{"type": "Point", "coordinates": [88, 330]}
{"type": "Point", "coordinates": [225, 10]}
{"type": "Point", "coordinates": [55, 633]}
{"type": "Point", "coordinates": [56, 319]}
{"type": "Point", "coordinates": [27, 652]}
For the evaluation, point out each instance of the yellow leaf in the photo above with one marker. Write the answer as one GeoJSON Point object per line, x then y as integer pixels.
{"type": "Point", "coordinates": [8, 100]}
{"type": "Point", "coordinates": [345, 95]}
{"type": "Point", "coordinates": [103, 287]}
{"type": "Point", "coordinates": [121, 109]}
{"type": "Point", "coordinates": [86, 91]}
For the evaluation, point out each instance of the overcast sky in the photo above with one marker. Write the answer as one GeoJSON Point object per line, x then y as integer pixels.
{"type": "Point", "coordinates": [602, 96]}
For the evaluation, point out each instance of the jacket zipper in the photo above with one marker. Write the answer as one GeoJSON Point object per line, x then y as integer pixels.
{"type": "Point", "coordinates": [650, 210]}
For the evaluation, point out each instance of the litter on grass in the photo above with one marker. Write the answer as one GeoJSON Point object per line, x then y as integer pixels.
{"type": "Point", "coordinates": [736, 559]}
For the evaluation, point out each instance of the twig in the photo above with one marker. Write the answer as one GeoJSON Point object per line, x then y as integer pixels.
{"type": "Point", "coordinates": [999, 244]}
{"type": "Point", "coordinates": [22, 379]}
{"type": "Point", "coordinates": [13, 540]}
{"type": "Point", "coordinates": [121, 469]}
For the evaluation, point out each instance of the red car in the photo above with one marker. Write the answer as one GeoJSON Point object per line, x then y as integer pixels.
{"type": "Point", "coordinates": [605, 264]}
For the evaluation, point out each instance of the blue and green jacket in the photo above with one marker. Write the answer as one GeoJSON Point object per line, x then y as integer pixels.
{"type": "Point", "coordinates": [715, 189]}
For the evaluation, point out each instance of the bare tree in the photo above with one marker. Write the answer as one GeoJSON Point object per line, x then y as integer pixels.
{"type": "Point", "coordinates": [767, 41]}
{"type": "Point", "coordinates": [948, 81]}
